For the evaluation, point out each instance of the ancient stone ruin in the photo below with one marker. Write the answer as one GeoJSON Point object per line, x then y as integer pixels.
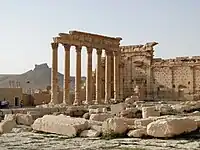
{"type": "Point", "coordinates": [130, 94]}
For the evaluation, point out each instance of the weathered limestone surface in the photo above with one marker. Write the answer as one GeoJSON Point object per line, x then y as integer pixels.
{"type": "Point", "coordinates": [143, 122]}
{"type": "Point", "coordinates": [100, 116]}
{"type": "Point", "coordinates": [137, 133]}
{"type": "Point", "coordinates": [8, 123]}
{"type": "Point", "coordinates": [24, 119]}
{"type": "Point", "coordinates": [60, 125]}
{"type": "Point", "coordinates": [117, 108]}
{"type": "Point", "coordinates": [89, 133]}
{"type": "Point", "coordinates": [114, 126]}
{"type": "Point", "coordinates": [171, 127]}
{"type": "Point", "coordinates": [149, 111]}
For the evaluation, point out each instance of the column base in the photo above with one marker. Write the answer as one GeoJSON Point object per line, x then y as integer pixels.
{"type": "Point", "coordinates": [76, 103]}
{"type": "Point", "coordinates": [87, 103]}
{"type": "Point", "coordinates": [96, 102]}
{"type": "Point", "coordinates": [106, 101]}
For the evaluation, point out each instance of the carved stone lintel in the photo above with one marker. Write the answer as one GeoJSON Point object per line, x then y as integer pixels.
{"type": "Point", "coordinates": [54, 46]}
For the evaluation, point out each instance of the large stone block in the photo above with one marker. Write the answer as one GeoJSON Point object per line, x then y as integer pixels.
{"type": "Point", "coordinates": [60, 124]}
{"type": "Point", "coordinates": [114, 126]}
{"type": "Point", "coordinates": [100, 116]}
{"type": "Point", "coordinates": [24, 119]}
{"type": "Point", "coordinates": [7, 126]}
{"type": "Point", "coordinates": [149, 112]}
{"type": "Point", "coordinates": [117, 108]}
{"type": "Point", "coordinates": [139, 123]}
{"type": "Point", "coordinates": [89, 133]}
{"type": "Point", "coordinates": [131, 113]}
{"type": "Point", "coordinates": [171, 127]}
{"type": "Point", "coordinates": [137, 133]}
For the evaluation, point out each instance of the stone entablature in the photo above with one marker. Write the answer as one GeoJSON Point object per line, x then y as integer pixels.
{"type": "Point", "coordinates": [178, 61]}
{"type": "Point", "coordinates": [88, 40]}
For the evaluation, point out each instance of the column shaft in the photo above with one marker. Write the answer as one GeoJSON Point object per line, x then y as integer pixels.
{"type": "Point", "coordinates": [108, 77]}
{"type": "Point", "coordinates": [54, 72]}
{"type": "Point", "coordinates": [89, 77]}
{"type": "Point", "coordinates": [66, 97]}
{"type": "Point", "coordinates": [98, 77]}
{"type": "Point", "coordinates": [77, 100]}
{"type": "Point", "coordinates": [149, 75]}
{"type": "Point", "coordinates": [116, 76]}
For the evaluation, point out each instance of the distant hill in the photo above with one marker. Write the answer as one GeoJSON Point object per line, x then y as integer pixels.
{"type": "Point", "coordinates": [38, 78]}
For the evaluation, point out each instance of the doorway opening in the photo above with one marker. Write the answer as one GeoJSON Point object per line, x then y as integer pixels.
{"type": "Point", "coordinates": [16, 101]}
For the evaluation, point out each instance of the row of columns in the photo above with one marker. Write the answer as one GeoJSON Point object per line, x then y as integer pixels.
{"type": "Point", "coordinates": [77, 100]}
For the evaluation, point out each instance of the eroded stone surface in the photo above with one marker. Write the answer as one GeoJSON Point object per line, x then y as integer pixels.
{"type": "Point", "coordinates": [114, 126]}
{"type": "Point", "coordinates": [171, 127]}
{"type": "Point", "coordinates": [60, 125]}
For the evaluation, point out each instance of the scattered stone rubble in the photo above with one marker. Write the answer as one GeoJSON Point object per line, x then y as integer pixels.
{"type": "Point", "coordinates": [138, 120]}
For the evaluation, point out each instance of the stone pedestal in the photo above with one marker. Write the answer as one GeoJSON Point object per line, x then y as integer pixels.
{"type": "Point", "coordinates": [54, 74]}
{"type": "Point", "coordinates": [77, 100]}
{"type": "Point", "coordinates": [66, 98]}
{"type": "Point", "coordinates": [108, 77]}
{"type": "Point", "coordinates": [89, 77]}
{"type": "Point", "coordinates": [98, 77]}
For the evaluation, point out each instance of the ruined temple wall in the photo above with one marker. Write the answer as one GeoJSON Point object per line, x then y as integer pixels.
{"type": "Point", "coordinates": [162, 76]}
{"type": "Point", "coordinates": [197, 79]}
{"type": "Point", "coordinates": [182, 72]}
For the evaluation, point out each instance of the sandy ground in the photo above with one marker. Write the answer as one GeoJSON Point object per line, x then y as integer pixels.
{"type": "Point", "coordinates": [39, 141]}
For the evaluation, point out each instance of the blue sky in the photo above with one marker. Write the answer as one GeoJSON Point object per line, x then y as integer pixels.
{"type": "Point", "coordinates": [27, 27]}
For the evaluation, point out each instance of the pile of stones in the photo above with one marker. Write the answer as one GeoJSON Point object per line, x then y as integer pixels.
{"type": "Point", "coordinates": [128, 119]}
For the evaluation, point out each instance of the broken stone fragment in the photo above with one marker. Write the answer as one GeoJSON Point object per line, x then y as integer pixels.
{"type": "Point", "coordinates": [114, 126]}
{"type": "Point", "coordinates": [60, 124]}
{"type": "Point", "coordinates": [171, 127]}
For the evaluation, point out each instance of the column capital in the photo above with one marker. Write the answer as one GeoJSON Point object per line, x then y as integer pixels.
{"type": "Point", "coordinates": [54, 46]}
{"type": "Point", "coordinates": [109, 53]}
{"type": "Point", "coordinates": [78, 48]}
{"type": "Point", "coordinates": [89, 50]}
{"type": "Point", "coordinates": [67, 46]}
{"type": "Point", "coordinates": [99, 51]}
{"type": "Point", "coordinates": [116, 53]}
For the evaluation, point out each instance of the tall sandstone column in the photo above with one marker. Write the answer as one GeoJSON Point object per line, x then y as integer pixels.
{"type": "Point", "coordinates": [149, 77]}
{"type": "Point", "coordinates": [98, 77]}
{"type": "Point", "coordinates": [89, 77]}
{"type": "Point", "coordinates": [108, 77]}
{"type": "Point", "coordinates": [77, 100]}
{"type": "Point", "coordinates": [116, 76]}
{"type": "Point", "coordinates": [54, 74]}
{"type": "Point", "coordinates": [66, 97]}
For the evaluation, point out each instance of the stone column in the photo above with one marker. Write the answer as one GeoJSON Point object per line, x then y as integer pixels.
{"type": "Point", "coordinates": [98, 77]}
{"type": "Point", "coordinates": [54, 74]}
{"type": "Point", "coordinates": [108, 77]}
{"type": "Point", "coordinates": [77, 100]}
{"type": "Point", "coordinates": [116, 76]}
{"type": "Point", "coordinates": [89, 77]}
{"type": "Point", "coordinates": [66, 97]}
{"type": "Point", "coordinates": [149, 75]}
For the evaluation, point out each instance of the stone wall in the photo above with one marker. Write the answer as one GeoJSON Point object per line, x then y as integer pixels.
{"type": "Point", "coordinates": [162, 79]}
{"type": "Point", "coordinates": [10, 94]}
